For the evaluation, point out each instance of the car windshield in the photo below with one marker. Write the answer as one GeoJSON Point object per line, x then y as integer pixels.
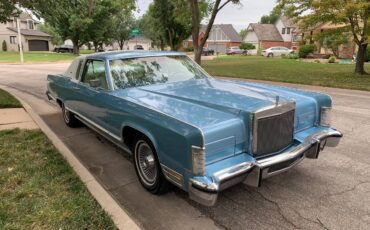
{"type": "Point", "coordinates": [135, 72]}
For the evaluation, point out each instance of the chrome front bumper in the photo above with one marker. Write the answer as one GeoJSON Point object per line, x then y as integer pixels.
{"type": "Point", "coordinates": [253, 172]}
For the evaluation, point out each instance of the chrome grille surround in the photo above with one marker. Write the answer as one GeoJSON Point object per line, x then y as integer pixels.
{"type": "Point", "coordinates": [271, 112]}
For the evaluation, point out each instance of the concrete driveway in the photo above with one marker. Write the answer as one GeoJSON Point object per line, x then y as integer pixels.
{"type": "Point", "coordinates": [329, 193]}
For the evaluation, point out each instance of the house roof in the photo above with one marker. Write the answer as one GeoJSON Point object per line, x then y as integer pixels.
{"type": "Point", "coordinates": [24, 16]}
{"type": "Point", "coordinates": [266, 32]}
{"type": "Point", "coordinates": [287, 21]}
{"type": "Point", "coordinates": [227, 29]}
{"type": "Point", "coordinates": [31, 32]}
{"type": "Point", "coordinates": [230, 32]}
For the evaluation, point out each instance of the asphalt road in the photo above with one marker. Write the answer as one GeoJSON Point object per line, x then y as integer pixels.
{"type": "Point", "coordinates": [332, 192]}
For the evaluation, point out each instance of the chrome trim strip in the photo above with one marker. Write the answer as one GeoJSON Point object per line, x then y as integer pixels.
{"type": "Point", "coordinates": [234, 171]}
{"type": "Point", "coordinates": [268, 111]}
{"type": "Point", "coordinates": [252, 170]}
{"type": "Point", "coordinates": [94, 124]}
{"type": "Point", "coordinates": [48, 94]}
{"type": "Point", "coordinates": [173, 176]}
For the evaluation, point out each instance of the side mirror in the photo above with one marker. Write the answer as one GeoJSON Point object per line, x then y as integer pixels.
{"type": "Point", "coordinates": [95, 83]}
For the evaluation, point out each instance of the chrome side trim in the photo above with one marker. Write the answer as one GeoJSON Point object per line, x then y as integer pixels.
{"type": "Point", "coordinates": [173, 176]}
{"type": "Point", "coordinates": [96, 125]}
{"type": "Point", "coordinates": [269, 111]}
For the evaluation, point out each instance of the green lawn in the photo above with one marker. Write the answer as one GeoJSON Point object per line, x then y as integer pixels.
{"type": "Point", "coordinates": [8, 101]}
{"type": "Point", "coordinates": [285, 70]}
{"type": "Point", "coordinates": [13, 57]}
{"type": "Point", "coordinates": [39, 190]}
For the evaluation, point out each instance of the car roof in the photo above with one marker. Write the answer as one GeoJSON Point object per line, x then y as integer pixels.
{"type": "Point", "coordinates": [113, 55]}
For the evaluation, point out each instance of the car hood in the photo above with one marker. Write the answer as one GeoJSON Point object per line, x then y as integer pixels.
{"type": "Point", "coordinates": [210, 101]}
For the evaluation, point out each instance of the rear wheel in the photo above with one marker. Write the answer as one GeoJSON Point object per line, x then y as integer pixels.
{"type": "Point", "coordinates": [69, 118]}
{"type": "Point", "coordinates": [147, 167]}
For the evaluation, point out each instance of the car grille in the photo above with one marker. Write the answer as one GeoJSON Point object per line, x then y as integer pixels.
{"type": "Point", "coordinates": [273, 133]}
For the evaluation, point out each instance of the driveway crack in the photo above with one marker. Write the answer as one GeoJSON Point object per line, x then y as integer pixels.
{"type": "Point", "coordinates": [345, 191]}
{"type": "Point", "coordinates": [279, 209]}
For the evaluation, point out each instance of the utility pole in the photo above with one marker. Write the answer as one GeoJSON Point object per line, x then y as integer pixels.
{"type": "Point", "coordinates": [20, 41]}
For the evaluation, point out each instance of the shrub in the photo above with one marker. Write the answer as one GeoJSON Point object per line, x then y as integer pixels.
{"type": "Point", "coordinates": [290, 56]}
{"type": "Point", "coordinates": [247, 46]}
{"type": "Point", "coordinates": [189, 49]}
{"type": "Point", "coordinates": [367, 54]}
{"type": "Point", "coordinates": [332, 59]}
{"type": "Point", "coordinates": [317, 61]}
{"type": "Point", "coordinates": [4, 46]}
{"type": "Point", "coordinates": [305, 50]}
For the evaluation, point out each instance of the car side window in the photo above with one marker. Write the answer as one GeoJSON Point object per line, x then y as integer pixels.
{"type": "Point", "coordinates": [94, 74]}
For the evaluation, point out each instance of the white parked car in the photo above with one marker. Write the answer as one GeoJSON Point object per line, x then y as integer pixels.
{"type": "Point", "coordinates": [235, 50]}
{"type": "Point", "coordinates": [276, 51]}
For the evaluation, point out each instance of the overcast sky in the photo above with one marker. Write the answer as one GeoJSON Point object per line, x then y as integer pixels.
{"type": "Point", "coordinates": [239, 15]}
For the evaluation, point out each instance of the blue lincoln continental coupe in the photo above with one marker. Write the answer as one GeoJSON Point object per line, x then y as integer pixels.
{"type": "Point", "coordinates": [187, 128]}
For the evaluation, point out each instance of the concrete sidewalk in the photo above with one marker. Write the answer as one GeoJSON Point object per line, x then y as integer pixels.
{"type": "Point", "coordinates": [16, 118]}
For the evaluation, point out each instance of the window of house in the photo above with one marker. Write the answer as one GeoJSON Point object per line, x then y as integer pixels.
{"type": "Point", "coordinates": [30, 24]}
{"type": "Point", "coordinates": [13, 40]}
{"type": "Point", "coordinates": [288, 30]}
{"type": "Point", "coordinates": [283, 31]}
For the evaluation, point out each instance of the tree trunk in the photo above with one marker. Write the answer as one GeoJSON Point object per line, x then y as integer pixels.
{"type": "Point", "coordinates": [194, 7]}
{"type": "Point", "coordinates": [360, 59]}
{"type": "Point", "coordinates": [162, 44]}
{"type": "Point", "coordinates": [120, 43]}
{"type": "Point", "coordinates": [96, 46]}
{"type": "Point", "coordinates": [76, 47]}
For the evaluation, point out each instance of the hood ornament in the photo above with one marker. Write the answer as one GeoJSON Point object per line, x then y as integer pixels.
{"type": "Point", "coordinates": [277, 101]}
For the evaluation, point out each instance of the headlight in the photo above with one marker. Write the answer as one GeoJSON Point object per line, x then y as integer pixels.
{"type": "Point", "coordinates": [199, 160]}
{"type": "Point", "coordinates": [325, 117]}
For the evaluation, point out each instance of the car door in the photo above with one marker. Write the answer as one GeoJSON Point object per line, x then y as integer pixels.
{"type": "Point", "coordinates": [93, 103]}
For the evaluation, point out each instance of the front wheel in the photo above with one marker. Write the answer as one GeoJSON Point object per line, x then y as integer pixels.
{"type": "Point", "coordinates": [147, 167]}
{"type": "Point", "coordinates": [270, 55]}
{"type": "Point", "coordinates": [69, 118]}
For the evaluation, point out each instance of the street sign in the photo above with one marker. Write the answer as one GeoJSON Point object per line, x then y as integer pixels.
{"type": "Point", "coordinates": [135, 32]}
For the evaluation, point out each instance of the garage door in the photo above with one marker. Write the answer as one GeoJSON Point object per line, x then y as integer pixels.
{"type": "Point", "coordinates": [220, 48]}
{"type": "Point", "coordinates": [38, 45]}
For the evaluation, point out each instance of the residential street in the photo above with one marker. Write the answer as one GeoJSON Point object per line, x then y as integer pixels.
{"type": "Point", "coordinates": [329, 193]}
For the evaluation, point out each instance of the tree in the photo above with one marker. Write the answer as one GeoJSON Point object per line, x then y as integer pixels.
{"type": "Point", "coordinates": [81, 21]}
{"type": "Point", "coordinates": [243, 33]}
{"type": "Point", "coordinates": [172, 21]}
{"type": "Point", "coordinates": [151, 28]}
{"type": "Point", "coordinates": [9, 8]}
{"type": "Point", "coordinates": [333, 39]}
{"type": "Point", "coordinates": [196, 11]}
{"type": "Point", "coordinates": [273, 16]}
{"type": "Point", "coordinates": [353, 14]}
{"type": "Point", "coordinates": [56, 38]}
{"type": "Point", "coordinates": [122, 24]}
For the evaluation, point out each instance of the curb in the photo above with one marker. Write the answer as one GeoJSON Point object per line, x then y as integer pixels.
{"type": "Point", "coordinates": [120, 218]}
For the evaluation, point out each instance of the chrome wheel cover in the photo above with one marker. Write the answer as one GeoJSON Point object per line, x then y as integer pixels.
{"type": "Point", "coordinates": [146, 163]}
{"type": "Point", "coordinates": [66, 114]}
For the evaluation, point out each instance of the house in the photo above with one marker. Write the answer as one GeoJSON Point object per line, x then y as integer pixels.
{"type": "Point", "coordinates": [309, 36]}
{"type": "Point", "coordinates": [264, 36]}
{"type": "Point", "coordinates": [221, 37]}
{"type": "Point", "coordinates": [32, 39]}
